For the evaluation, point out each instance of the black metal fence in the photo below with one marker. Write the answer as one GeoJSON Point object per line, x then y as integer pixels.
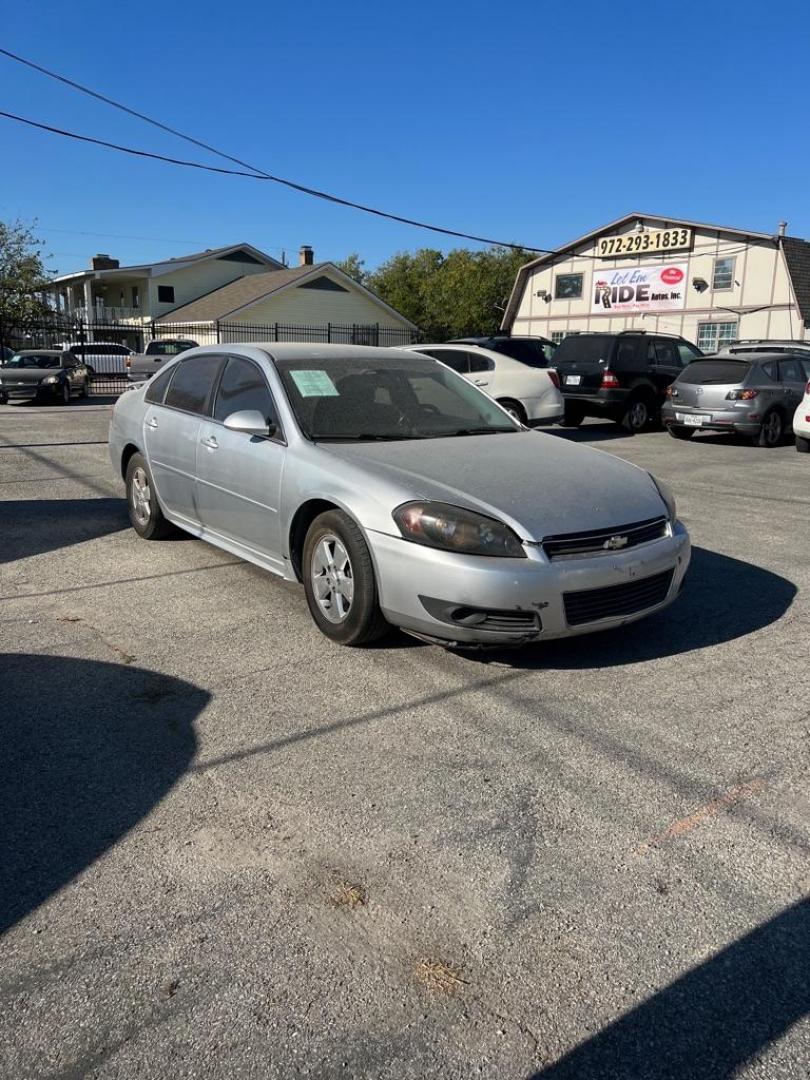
{"type": "Point", "coordinates": [108, 365]}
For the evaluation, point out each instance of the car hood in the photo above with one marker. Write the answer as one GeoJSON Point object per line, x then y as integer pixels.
{"type": "Point", "coordinates": [27, 376]}
{"type": "Point", "coordinates": [539, 484]}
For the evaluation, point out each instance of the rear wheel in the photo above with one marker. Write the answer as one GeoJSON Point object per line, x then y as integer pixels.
{"type": "Point", "coordinates": [144, 510]}
{"type": "Point", "coordinates": [339, 581]}
{"type": "Point", "coordinates": [680, 432]}
{"type": "Point", "coordinates": [514, 408]}
{"type": "Point", "coordinates": [802, 445]}
{"type": "Point", "coordinates": [637, 415]}
{"type": "Point", "coordinates": [573, 416]}
{"type": "Point", "coordinates": [771, 431]}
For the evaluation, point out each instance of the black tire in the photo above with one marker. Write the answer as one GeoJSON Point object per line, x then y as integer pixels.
{"type": "Point", "coordinates": [514, 408]}
{"type": "Point", "coordinates": [64, 393]}
{"type": "Point", "coordinates": [802, 444]}
{"type": "Point", "coordinates": [85, 390]}
{"type": "Point", "coordinates": [360, 621]}
{"type": "Point", "coordinates": [638, 415]}
{"type": "Point", "coordinates": [680, 432]}
{"type": "Point", "coordinates": [152, 525]}
{"type": "Point", "coordinates": [573, 416]}
{"type": "Point", "coordinates": [771, 431]}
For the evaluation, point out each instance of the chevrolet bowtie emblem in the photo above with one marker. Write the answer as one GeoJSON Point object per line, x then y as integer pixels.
{"type": "Point", "coordinates": [614, 543]}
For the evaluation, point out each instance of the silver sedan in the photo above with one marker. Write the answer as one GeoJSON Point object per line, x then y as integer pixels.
{"type": "Point", "coordinates": [397, 493]}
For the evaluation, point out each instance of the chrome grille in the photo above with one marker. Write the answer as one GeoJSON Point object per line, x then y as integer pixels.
{"type": "Point", "coordinates": [599, 541]}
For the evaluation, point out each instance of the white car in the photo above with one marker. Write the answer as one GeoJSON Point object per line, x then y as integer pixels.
{"type": "Point", "coordinates": [532, 395]}
{"type": "Point", "coordinates": [101, 357]}
{"type": "Point", "coordinates": [801, 423]}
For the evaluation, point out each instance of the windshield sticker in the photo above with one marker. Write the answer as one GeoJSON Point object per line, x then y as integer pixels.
{"type": "Point", "coordinates": [314, 384]}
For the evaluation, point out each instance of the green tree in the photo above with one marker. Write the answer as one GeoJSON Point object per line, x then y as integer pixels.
{"type": "Point", "coordinates": [453, 295]}
{"type": "Point", "coordinates": [22, 275]}
{"type": "Point", "coordinates": [353, 266]}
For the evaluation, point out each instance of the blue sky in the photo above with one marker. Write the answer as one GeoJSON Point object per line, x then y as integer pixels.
{"type": "Point", "coordinates": [524, 121]}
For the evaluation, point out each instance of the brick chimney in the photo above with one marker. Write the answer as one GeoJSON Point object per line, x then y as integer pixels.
{"type": "Point", "coordinates": [104, 262]}
{"type": "Point", "coordinates": [306, 255]}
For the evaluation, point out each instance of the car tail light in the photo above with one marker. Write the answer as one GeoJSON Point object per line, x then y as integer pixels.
{"type": "Point", "coordinates": [555, 378]}
{"type": "Point", "coordinates": [129, 361]}
{"type": "Point", "coordinates": [807, 388]}
{"type": "Point", "coordinates": [741, 395]}
{"type": "Point", "coordinates": [609, 380]}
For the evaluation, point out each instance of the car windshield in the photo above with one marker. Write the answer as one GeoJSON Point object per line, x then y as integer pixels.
{"type": "Point", "coordinates": [702, 372]}
{"type": "Point", "coordinates": [412, 397]}
{"type": "Point", "coordinates": [168, 348]}
{"type": "Point", "coordinates": [578, 347]}
{"type": "Point", "coordinates": [33, 360]}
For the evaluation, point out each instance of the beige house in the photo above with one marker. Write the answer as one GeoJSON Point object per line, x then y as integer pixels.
{"type": "Point", "coordinates": [709, 283]}
{"type": "Point", "coordinates": [312, 301]}
{"type": "Point", "coordinates": [133, 295]}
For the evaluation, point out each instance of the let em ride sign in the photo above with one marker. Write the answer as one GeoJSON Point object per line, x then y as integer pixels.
{"type": "Point", "coordinates": [640, 288]}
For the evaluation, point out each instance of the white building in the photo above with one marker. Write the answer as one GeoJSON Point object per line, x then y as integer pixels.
{"type": "Point", "coordinates": [709, 283]}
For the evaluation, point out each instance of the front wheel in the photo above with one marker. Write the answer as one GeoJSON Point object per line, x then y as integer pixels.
{"type": "Point", "coordinates": [85, 390]}
{"type": "Point", "coordinates": [64, 393]}
{"type": "Point", "coordinates": [771, 431]}
{"type": "Point", "coordinates": [144, 510]}
{"type": "Point", "coordinates": [339, 581]}
{"type": "Point", "coordinates": [802, 445]}
{"type": "Point", "coordinates": [680, 432]}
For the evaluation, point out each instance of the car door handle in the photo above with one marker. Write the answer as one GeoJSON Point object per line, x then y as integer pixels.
{"type": "Point", "coordinates": [151, 422]}
{"type": "Point", "coordinates": [210, 442]}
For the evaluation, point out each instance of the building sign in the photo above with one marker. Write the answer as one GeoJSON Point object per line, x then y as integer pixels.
{"type": "Point", "coordinates": [639, 288]}
{"type": "Point", "coordinates": [637, 243]}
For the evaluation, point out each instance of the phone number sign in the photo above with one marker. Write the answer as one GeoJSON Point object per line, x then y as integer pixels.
{"type": "Point", "coordinates": [640, 288]}
{"type": "Point", "coordinates": [637, 243]}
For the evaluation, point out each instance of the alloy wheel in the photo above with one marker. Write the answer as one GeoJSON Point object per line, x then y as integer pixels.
{"type": "Point", "coordinates": [772, 426]}
{"type": "Point", "coordinates": [332, 578]}
{"type": "Point", "coordinates": [141, 497]}
{"type": "Point", "coordinates": [638, 415]}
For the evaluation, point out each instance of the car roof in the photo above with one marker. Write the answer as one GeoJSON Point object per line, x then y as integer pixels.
{"type": "Point", "coordinates": [38, 352]}
{"type": "Point", "coordinates": [755, 356]}
{"type": "Point", "coordinates": [313, 350]}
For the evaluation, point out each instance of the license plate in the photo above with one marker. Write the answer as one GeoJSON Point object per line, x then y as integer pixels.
{"type": "Point", "coordinates": [693, 421]}
{"type": "Point", "coordinates": [573, 380]}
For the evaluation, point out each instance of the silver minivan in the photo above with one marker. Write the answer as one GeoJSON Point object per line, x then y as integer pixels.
{"type": "Point", "coordinates": [753, 394]}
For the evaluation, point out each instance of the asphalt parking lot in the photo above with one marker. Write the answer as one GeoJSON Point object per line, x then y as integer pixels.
{"type": "Point", "coordinates": [232, 849]}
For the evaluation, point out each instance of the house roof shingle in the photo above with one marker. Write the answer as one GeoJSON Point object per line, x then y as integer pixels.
{"type": "Point", "coordinates": [797, 257]}
{"type": "Point", "coordinates": [177, 260]}
{"type": "Point", "coordinates": [229, 298]}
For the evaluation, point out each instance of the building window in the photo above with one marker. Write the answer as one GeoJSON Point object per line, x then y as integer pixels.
{"type": "Point", "coordinates": [557, 336]}
{"type": "Point", "coordinates": [136, 300]}
{"type": "Point", "coordinates": [712, 336]}
{"type": "Point", "coordinates": [723, 278]}
{"type": "Point", "coordinates": [165, 294]}
{"type": "Point", "coordinates": [568, 286]}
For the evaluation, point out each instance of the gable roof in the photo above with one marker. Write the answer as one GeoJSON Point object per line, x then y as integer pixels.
{"type": "Point", "coordinates": [162, 266]}
{"type": "Point", "coordinates": [249, 290]}
{"type": "Point", "coordinates": [626, 219]}
{"type": "Point", "coordinates": [797, 257]}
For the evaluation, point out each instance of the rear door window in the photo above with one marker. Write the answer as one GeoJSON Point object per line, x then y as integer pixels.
{"type": "Point", "coordinates": [480, 363]}
{"type": "Point", "coordinates": [456, 359]}
{"type": "Point", "coordinates": [193, 383]}
{"type": "Point", "coordinates": [627, 353]}
{"type": "Point", "coordinates": [666, 353]}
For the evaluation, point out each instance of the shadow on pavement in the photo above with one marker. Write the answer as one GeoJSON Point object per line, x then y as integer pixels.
{"type": "Point", "coordinates": [88, 749]}
{"type": "Point", "coordinates": [722, 599]}
{"type": "Point", "coordinates": [708, 1023]}
{"type": "Point", "coordinates": [34, 526]}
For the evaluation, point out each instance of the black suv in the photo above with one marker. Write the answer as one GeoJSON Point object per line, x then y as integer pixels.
{"type": "Point", "coordinates": [622, 377]}
{"type": "Point", "coordinates": [532, 351]}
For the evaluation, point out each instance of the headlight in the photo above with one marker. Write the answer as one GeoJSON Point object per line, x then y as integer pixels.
{"type": "Point", "coordinates": [452, 528]}
{"type": "Point", "coordinates": [50, 380]}
{"type": "Point", "coordinates": [665, 492]}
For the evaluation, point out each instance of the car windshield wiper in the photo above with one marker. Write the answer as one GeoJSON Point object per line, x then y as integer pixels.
{"type": "Point", "coordinates": [477, 431]}
{"type": "Point", "coordinates": [363, 437]}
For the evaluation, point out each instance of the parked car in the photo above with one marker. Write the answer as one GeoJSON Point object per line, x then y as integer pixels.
{"type": "Point", "coordinates": [397, 493]}
{"type": "Point", "coordinates": [101, 357]}
{"type": "Point", "coordinates": [775, 345]}
{"type": "Point", "coordinates": [753, 394]}
{"type": "Point", "coordinates": [801, 421]}
{"type": "Point", "coordinates": [529, 394]}
{"type": "Point", "coordinates": [141, 366]}
{"type": "Point", "coordinates": [43, 374]}
{"type": "Point", "coordinates": [621, 377]}
{"type": "Point", "coordinates": [534, 351]}
{"type": "Point", "coordinates": [5, 354]}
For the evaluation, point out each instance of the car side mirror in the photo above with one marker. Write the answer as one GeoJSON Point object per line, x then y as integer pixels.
{"type": "Point", "coordinates": [251, 422]}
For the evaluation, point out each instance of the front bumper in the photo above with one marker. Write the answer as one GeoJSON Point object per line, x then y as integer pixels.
{"type": "Point", "coordinates": [745, 421]}
{"type": "Point", "coordinates": [411, 576]}
{"type": "Point", "coordinates": [23, 393]}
